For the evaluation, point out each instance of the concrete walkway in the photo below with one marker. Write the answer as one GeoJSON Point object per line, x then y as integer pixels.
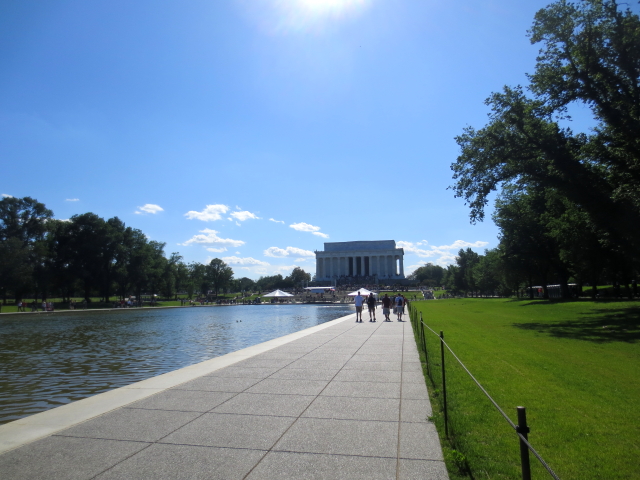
{"type": "Point", "coordinates": [342, 400]}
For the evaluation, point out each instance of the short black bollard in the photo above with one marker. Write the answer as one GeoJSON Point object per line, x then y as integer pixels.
{"type": "Point", "coordinates": [444, 385]}
{"type": "Point", "coordinates": [523, 430]}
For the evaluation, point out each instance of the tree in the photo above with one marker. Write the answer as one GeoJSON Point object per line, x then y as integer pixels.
{"type": "Point", "coordinates": [488, 272]}
{"type": "Point", "coordinates": [23, 218]}
{"type": "Point", "coordinates": [23, 228]}
{"type": "Point", "coordinates": [245, 284]}
{"type": "Point", "coordinates": [298, 277]}
{"type": "Point", "coordinates": [467, 261]}
{"type": "Point", "coordinates": [271, 282]}
{"type": "Point", "coordinates": [591, 54]}
{"type": "Point", "coordinates": [218, 274]}
{"type": "Point", "coordinates": [428, 274]}
{"type": "Point", "coordinates": [451, 279]}
{"type": "Point", "coordinates": [15, 268]}
{"type": "Point", "coordinates": [196, 278]}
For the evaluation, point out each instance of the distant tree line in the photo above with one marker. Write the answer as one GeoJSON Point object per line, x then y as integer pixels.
{"type": "Point", "coordinates": [88, 256]}
{"type": "Point", "coordinates": [568, 204]}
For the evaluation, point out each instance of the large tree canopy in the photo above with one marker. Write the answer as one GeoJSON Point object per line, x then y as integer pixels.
{"type": "Point", "coordinates": [590, 54]}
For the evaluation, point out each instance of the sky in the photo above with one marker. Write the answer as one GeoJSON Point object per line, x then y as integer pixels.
{"type": "Point", "coordinates": [256, 130]}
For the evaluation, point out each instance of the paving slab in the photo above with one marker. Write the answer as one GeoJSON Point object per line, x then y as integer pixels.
{"type": "Point", "coordinates": [68, 458]}
{"type": "Point", "coordinates": [171, 462]}
{"type": "Point", "coordinates": [342, 400]}
{"type": "Point", "coordinates": [219, 384]}
{"type": "Point", "coordinates": [421, 470]}
{"type": "Point", "coordinates": [304, 466]}
{"type": "Point", "coordinates": [343, 437]}
{"type": "Point", "coordinates": [354, 408]}
{"type": "Point", "coordinates": [415, 410]}
{"type": "Point", "coordinates": [266, 404]}
{"type": "Point", "coordinates": [231, 430]}
{"type": "Point", "coordinates": [183, 400]}
{"type": "Point", "coordinates": [137, 424]}
{"type": "Point", "coordinates": [363, 389]}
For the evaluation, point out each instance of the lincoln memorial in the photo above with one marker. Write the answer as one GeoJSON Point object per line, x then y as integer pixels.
{"type": "Point", "coordinates": [378, 259]}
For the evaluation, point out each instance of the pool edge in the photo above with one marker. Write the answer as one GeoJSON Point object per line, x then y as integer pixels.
{"type": "Point", "coordinates": [34, 427]}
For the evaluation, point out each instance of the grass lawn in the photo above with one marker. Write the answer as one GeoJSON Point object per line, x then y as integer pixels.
{"type": "Point", "coordinates": [575, 366]}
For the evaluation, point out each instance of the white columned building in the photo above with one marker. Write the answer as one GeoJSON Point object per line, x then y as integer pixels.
{"type": "Point", "coordinates": [377, 258]}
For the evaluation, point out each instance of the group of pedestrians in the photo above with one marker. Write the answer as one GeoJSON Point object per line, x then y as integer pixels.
{"type": "Point", "coordinates": [398, 302]}
{"type": "Point", "coordinates": [46, 306]}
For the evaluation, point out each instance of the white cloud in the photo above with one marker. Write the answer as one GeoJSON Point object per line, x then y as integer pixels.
{"type": "Point", "coordinates": [305, 227]}
{"type": "Point", "coordinates": [412, 268]}
{"type": "Point", "coordinates": [287, 252]}
{"type": "Point", "coordinates": [209, 214]}
{"type": "Point", "coordinates": [244, 215]}
{"type": "Point", "coordinates": [443, 254]}
{"type": "Point", "coordinates": [302, 259]}
{"type": "Point", "coordinates": [285, 268]}
{"type": "Point", "coordinates": [216, 250]}
{"type": "Point", "coordinates": [6, 195]}
{"type": "Point", "coordinates": [244, 261]}
{"type": "Point", "coordinates": [74, 200]}
{"type": "Point", "coordinates": [276, 221]}
{"type": "Point", "coordinates": [148, 208]}
{"type": "Point", "coordinates": [209, 237]}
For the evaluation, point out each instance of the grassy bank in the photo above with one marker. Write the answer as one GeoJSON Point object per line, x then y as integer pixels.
{"type": "Point", "coordinates": [574, 365]}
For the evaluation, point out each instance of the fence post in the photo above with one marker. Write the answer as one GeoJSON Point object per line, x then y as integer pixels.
{"type": "Point", "coordinates": [523, 430]}
{"type": "Point", "coordinates": [444, 385]}
{"type": "Point", "coordinates": [424, 345]}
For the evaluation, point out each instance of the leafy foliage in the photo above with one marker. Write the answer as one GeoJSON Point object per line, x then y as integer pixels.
{"type": "Point", "coordinates": [569, 203]}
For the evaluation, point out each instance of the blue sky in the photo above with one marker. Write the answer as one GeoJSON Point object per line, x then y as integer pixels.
{"type": "Point", "coordinates": [256, 130]}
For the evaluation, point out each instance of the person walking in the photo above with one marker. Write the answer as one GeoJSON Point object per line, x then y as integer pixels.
{"type": "Point", "coordinates": [371, 303]}
{"type": "Point", "coordinates": [399, 306]}
{"type": "Point", "coordinates": [386, 307]}
{"type": "Point", "coordinates": [359, 300]}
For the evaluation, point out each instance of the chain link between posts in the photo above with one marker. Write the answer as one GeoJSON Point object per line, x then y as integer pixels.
{"type": "Point", "coordinates": [506, 417]}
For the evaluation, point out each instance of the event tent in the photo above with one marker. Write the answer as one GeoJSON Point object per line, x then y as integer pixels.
{"type": "Point", "coordinates": [278, 293]}
{"type": "Point", "coordinates": [363, 291]}
{"type": "Point", "coordinates": [320, 289]}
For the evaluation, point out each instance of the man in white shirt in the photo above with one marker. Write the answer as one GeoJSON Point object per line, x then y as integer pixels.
{"type": "Point", "coordinates": [359, 300]}
{"type": "Point", "coordinates": [399, 306]}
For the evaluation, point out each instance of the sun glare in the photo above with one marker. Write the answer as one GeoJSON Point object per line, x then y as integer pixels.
{"type": "Point", "coordinates": [282, 16]}
{"type": "Point", "coordinates": [323, 7]}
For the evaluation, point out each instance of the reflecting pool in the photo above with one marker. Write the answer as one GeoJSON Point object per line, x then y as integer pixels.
{"type": "Point", "coordinates": [47, 360]}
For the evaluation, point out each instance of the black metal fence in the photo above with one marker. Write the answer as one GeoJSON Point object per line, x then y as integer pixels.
{"type": "Point", "coordinates": [421, 329]}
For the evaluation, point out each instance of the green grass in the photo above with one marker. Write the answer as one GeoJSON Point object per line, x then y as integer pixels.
{"type": "Point", "coordinates": [575, 366]}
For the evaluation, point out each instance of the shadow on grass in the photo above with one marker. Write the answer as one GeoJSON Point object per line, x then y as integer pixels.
{"type": "Point", "coordinates": [615, 325]}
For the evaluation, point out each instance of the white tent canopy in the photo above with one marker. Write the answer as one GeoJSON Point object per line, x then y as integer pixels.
{"type": "Point", "coordinates": [319, 289]}
{"type": "Point", "coordinates": [363, 291]}
{"type": "Point", "coordinates": [278, 293]}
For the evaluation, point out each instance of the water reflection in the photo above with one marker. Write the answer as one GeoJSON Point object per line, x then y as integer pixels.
{"type": "Point", "coordinates": [51, 360]}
